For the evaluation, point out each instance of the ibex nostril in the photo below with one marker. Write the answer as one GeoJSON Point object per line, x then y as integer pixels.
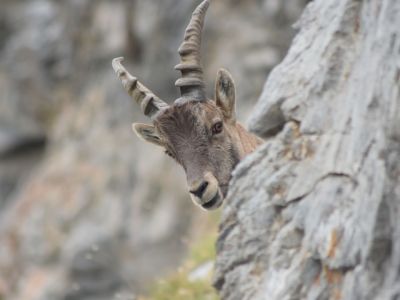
{"type": "Point", "coordinates": [200, 190]}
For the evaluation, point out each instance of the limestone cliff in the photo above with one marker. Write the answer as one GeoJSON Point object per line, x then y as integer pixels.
{"type": "Point", "coordinates": [315, 212]}
{"type": "Point", "coordinates": [87, 211]}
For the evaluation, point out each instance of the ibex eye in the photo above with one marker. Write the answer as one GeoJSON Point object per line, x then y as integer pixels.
{"type": "Point", "coordinates": [217, 128]}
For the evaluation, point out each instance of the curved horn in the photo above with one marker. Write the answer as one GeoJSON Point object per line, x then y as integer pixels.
{"type": "Point", "coordinates": [191, 83]}
{"type": "Point", "coordinates": [149, 103]}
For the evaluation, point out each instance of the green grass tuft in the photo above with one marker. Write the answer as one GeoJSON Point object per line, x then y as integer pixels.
{"type": "Point", "coordinates": [177, 286]}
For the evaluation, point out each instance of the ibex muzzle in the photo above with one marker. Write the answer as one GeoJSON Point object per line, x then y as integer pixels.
{"type": "Point", "coordinates": [202, 135]}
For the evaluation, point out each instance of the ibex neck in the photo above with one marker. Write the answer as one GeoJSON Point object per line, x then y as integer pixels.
{"type": "Point", "coordinates": [247, 142]}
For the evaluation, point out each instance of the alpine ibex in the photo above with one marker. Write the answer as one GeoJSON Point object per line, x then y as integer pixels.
{"type": "Point", "coordinates": [202, 135]}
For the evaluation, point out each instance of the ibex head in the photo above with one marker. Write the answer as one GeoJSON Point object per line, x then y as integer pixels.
{"type": "Point", "coordinates": [199, 133]}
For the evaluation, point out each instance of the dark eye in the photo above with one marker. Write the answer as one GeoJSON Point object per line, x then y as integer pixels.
{"type": "Point", "coordinates": [217, 128]}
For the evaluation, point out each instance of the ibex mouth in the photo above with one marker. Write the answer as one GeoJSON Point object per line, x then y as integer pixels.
{"type": "Point", "coordinates": [214, 203]}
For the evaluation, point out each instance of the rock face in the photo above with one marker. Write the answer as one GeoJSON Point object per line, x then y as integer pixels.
{"type": "Point", "coordinates": [87, 211]}
{"type": "Point", "coordinates": [315, 212]}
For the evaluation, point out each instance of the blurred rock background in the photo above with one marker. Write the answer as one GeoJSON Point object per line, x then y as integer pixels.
{"type": "Point", "coordinates": [87, 211]}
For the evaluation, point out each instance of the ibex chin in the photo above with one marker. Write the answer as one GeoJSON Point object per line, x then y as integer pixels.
{"type": "Point", "coordinates": [200, 134]}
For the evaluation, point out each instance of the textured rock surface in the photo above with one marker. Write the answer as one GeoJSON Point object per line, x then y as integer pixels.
{"type": "Point", "coordinates": [314, 213]}
{"type": "Point", "coordinates": [87, 211]}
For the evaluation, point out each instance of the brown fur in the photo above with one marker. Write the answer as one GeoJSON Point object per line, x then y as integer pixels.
{"type": "Point", "coordinates": [186, 131]}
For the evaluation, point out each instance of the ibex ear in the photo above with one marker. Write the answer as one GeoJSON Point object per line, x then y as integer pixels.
{"type": "Point", "coordinates": [147, 133]}
{"type": "Point", "coordinates": [225, 94]}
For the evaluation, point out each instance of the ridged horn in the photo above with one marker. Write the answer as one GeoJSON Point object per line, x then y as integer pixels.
{"type": "Point", "coordinates": [149, 103]}
{"type": "Point", "coordinates": [191, 83]}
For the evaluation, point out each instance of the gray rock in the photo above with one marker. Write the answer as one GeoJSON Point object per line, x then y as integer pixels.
{"type": "Point", "coordinates": [92, 183]}
{"type": "Point", "coordinates": [314, 213]}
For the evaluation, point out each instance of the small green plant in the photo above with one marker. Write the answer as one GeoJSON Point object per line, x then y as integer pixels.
{"type": "Point", "coordinates": [179, 285]}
